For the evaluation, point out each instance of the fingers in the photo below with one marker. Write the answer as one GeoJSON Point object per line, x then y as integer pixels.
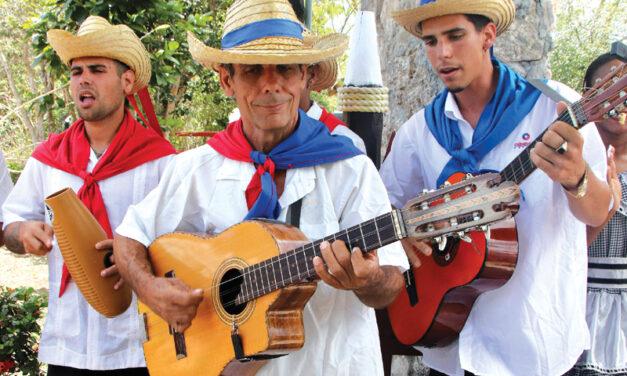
{"type": "Point", "coordinates": [560, 132]}
{"type": "Point", "coordinates": [323, 273]}
{"type": "Point", "coordinates": [342, 269]}
{"type": "Point", "coordinates": [105, 244]}
{"type": "Point", "coordinates": [412, 246]}
{"type": "Point", "coordinates": [337, 259]}
{"type": "Point", "coordinates": [36, 237]}
{"type": "Point", "coordinates": [118, 285]}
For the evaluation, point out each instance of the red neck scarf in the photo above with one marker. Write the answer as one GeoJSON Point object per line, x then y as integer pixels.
{"type": "Point", "coordinates": [330, 120]}
{"type": "Point", "coordinates": [132, 146]}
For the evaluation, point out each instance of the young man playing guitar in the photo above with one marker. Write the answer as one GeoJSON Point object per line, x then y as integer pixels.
{"type": "Point", "coordinates": [534, 324]}
{"type": "Point", "coordinates": [111, 161]}
{"type": "Point", "coordinates": [261, 165]}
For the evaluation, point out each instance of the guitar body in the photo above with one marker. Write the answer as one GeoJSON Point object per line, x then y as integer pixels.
{"type": "Point", "coordinates": [433, 308]}
{"type": "Point", "coordinates": [270, 326]}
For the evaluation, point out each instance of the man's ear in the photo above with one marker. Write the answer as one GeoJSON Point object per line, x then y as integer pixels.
{"type": "Point", "coordinates": [128, 81]}
{"type": "Point", "coordinates": [311, 72]}
{"type": "Point", "coordinates": [226, 81]}
{"type": "Point", "coordinates": [489, 35]}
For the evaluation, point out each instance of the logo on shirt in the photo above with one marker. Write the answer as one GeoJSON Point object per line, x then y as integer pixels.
{"type": "Point", "coordinates": [525, 141]}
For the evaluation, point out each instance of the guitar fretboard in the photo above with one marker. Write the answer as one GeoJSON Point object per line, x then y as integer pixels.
{"type": "Point", "coordinates": [522, 166]}
{"type": "Point", "coordinates": [297, 265]}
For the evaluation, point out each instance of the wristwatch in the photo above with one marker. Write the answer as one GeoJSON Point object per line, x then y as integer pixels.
{"type": "Point", "coordinates": [582, 186]}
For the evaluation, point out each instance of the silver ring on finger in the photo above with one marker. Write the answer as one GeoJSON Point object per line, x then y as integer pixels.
{"type": "Point", "coordinates": [563, 148]}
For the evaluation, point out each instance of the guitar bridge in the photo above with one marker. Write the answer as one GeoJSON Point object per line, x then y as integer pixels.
{"type": "Point", "coordinates": [179, 338]}
{"type": "Point", "coordinates": [238, 347]}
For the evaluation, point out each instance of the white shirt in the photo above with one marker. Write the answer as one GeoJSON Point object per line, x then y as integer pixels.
{"type": "Point", "coordinates": [315, 111]}
{"type": "Point", "coordinates": [5, 182]}
{"type": "Point", "coordinates": [202, 191]}
{"type": "Point", "coordinates": [75, 335]}
{"type": "Point", "coordinates": [534, 324]}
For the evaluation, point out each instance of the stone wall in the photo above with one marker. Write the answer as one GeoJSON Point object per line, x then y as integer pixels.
{"type": "Point", "coordinates": [407, 73]}
{"type": "Point", "coordinates": [412, 83]}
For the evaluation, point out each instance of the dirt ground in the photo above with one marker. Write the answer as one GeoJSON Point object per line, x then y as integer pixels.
{"type": "Point", "coordinates": [23, 270]}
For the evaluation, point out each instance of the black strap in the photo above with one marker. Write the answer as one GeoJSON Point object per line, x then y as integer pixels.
{"type": "Point", "coordinates": [293, 213]}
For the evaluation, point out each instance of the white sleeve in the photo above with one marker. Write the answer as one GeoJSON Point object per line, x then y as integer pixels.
{"type": "Point", "coordinates": [167, 208]}
{"type": "Point", "coordinates": [26, 200]}
{"type": "Point", "coordinates": [400, 171]}
{"type": "Point", "coordinates": [5, 183]}
{"type": "Point", "coordinates": [368, 200]}
{"type": "Point", "coordinates": [342, 130]}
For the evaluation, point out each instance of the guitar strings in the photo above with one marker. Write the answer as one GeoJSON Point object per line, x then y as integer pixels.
{"type": "Point", "coordinates": [524, 166]}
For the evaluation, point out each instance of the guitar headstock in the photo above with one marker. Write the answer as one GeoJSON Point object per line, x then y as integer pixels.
{"type": "Point", "coordinates": [607, 98]}
{"type": "Point", "coordinates": [454, 209]}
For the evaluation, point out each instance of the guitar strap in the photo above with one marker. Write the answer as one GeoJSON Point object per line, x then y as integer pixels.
{"type": "Point", "coordinates": [293, 213]}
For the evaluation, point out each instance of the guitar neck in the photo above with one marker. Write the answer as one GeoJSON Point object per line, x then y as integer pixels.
{"type": "Point", "coordinates": [297, 265]}
{"type": "Point", "coordinates": [522, 166]}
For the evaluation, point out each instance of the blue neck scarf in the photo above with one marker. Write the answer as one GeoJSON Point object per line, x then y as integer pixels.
{"type": "Point", "coordinates": [310, 144]}
{"type": "Point", "coordinates": [512, 101]}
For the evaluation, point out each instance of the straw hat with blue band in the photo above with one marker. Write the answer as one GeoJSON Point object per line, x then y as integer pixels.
{"type": "Point", "coordinates": [501, 12]}
{"type": "Point", "coordinates": [265, 32]}
{"type": "Point", "coordinates": [96, 37]}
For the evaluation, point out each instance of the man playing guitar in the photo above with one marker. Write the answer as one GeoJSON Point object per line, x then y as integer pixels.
{"type": "Point", "coordinates": [534, 324]}
{"type": "Point", "coordinates": [241, 174]}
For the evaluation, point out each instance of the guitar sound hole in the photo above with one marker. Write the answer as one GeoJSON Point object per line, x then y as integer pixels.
{"type": "Point", "coordinates": [230, 287]}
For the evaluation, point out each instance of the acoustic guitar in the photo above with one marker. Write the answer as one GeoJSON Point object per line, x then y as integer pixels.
{"type": "Point", "coordinates": [437, 299]}
{"type": "Point", "coordinates": [258, 275]}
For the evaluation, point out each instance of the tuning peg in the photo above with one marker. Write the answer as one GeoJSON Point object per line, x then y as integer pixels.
{"type": "Point", "coordinates": [453, 222]}
{"type": "Point", "coordinates": [424, 205]}
{"type": "Point", "coordinates": [425, 190]}
{"type": "Point", "coordinates": [468, 189]}
{"type": "Point", "coordinates": [447, 197]}
{"type": "Point", "coordinates": [441, 240]}
{"type": "Point", "coordinates": [463, 236]}
{"type": "Point", "coordinates": [476, 215]}
{"type": "Point", "coordinates": [484, 228]}
{"type": "Point", "coordinates": [430, 227]}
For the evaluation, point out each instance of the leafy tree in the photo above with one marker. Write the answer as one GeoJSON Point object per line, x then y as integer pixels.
{"type": "Point", "coordinates": [584, 30]}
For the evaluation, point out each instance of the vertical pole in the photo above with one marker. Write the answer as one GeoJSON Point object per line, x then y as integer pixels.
{"type": "Point", "coordinates": [308, 13]}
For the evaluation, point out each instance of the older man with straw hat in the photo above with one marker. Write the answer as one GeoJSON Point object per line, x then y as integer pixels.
{"type": "Point", "coordinates": [273, 159]}
{"type": "Point", "coordinates": [112, 161]}
{"type": "Point", "coordinates": [534, 324]}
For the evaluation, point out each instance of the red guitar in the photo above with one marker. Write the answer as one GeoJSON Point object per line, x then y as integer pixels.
{"type": "Point", "coordinates": [434, 306]}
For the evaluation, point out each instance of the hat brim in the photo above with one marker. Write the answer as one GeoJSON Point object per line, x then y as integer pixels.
{"type": "Point", "coordinates": [326, 76]}
{"type": "Point", "coordinates": [501, 12]}
{"type": "Point", "coordinates": [328, 47]}
{"type": "Point", "coordinates": [111, 44]}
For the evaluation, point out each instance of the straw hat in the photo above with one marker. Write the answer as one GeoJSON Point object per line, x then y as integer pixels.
{"type": "Point", "coordinates": [326, 75]}
{"type": "Point", "coordinates": [501, 12]}
{"type": "Point", "coordinates": [264, 32]}
{"type": "Point", "coordinates": [96, 37]}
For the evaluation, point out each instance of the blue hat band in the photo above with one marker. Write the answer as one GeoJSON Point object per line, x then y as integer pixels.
{"type": "Point", "coordinates": [262, 29]}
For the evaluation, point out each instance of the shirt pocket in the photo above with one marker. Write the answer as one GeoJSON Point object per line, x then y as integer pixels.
{"type": "Point", "coordinates": [127, 325]}
{"type": "Point", "coordinates": [61, 319]}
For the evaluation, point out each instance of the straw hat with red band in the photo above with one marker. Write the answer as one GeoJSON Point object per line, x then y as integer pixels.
{"type": "Point", "coordinates": [501, 12]}
{"type": "Point", "coordinates": [96, 37]}
{"type": "Point", "coordinates": [265, 32]}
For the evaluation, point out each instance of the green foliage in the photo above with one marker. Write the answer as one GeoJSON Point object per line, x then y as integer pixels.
{"type": "Point", "coordinates": [584, 30]}
{"type": "Point", "coordinates": [19, 330]}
